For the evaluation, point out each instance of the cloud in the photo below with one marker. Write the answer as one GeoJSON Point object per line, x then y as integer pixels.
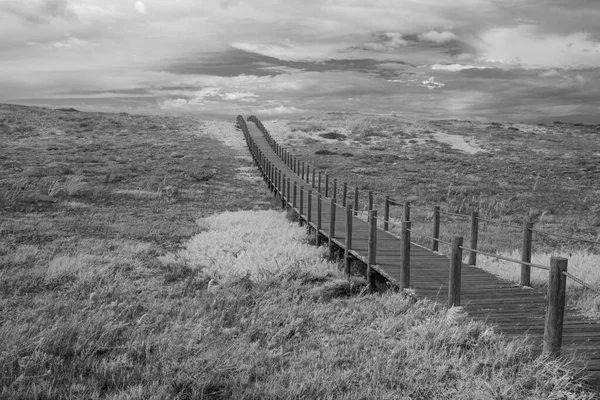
{"type": "Point", "coordinates": [279, 110]}
{"type": "Point", "coordinates": [239, 96]}
{"type": "Point", "coordinates": [140, 7]}
{"type": "Point", "coordinates": [454, 67]}
{"type": "Point", "coordinates": [526, 46]}
{"type": "Point", "coordinates": [38, 12]}
{"type": "Point", "coordinates": [70, 43]}
{"type": "Point", "coordinates": [437, 37]}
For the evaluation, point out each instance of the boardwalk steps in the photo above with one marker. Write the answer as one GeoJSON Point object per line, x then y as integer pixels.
{"type": "Point", "coordinates": [512, 309]}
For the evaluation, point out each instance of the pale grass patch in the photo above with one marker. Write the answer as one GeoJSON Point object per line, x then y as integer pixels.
{"type": "Point", "coordinates": [138, 193]}
{"type": "Point", "coordinates": [257, 244]}
{"type": "Point", "coordinates": [75, 185]}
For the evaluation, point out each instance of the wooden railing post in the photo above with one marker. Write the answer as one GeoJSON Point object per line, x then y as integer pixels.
{"type": "Point", "coordinates": [314, 172]}
{"type": "Point", "coordinates": [319, 222]}
{"type": "Point", "coordinates": [334, 188]}
{"type": "Point", "coordinates": [301, 205]}
{"type": "Point", "coordinates": [348, 242]}
{"type": "Point", "coordinates": [308, 207]}
{"type": "Point", "coordinates": [356, 201]}
{"type": "Point", "coordinates": [344, 194]}
{"type": "Point", "coordinates": [526, 253]}
{"type": "Point", "coordinates": [331, 227]}
{"type": "Point", "coordinates": [283, 192]}
{"type": "Point", "coordinates": [474, 235]}
{"type": "Point", "coordinates": [326, 185]}
{"type": "Point", "coordinates": [295, 195]}
{"type": "Point", "coordinates": [435, 245]}
{"type": "Point", "coordinates": [307, 174]}
{"type": "Point", "coordinates": [372, 249]}
{"type": "Point", "coordinates": [407, 211]}
{"type": "Point", "coordinates": [555, 310]}
{"type": "Point", "coordinates": [320, 179]}
{"type": "Point", "coordinates": [302, 170]}
{"type": "Point", "coordinates": [386, 213]}
{"type": "Point", "coordinates": [405, 255]}
{"type": "Point", "coordinates": [288, 191]}
{"type": "Point", "coordinates": [455, 272]}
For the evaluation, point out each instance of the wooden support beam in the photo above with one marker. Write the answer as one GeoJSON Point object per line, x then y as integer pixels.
{"type": "Point", "coordinates": [372, 249]}
{"type": "Point", "coordinates": [405, 255]}
{"type": "Point", "coordinates": [474, 235]}
{"type": "Point", "coordinates": [435, 245]}
{"type": "Point", "coordinates": [348, 241]}
{"type": "Point", "coordinates": [455, 272]}
{"type": "Point", "coordinates": [526, 253]}
{"type": "Point", "coordinates": [555, 310]}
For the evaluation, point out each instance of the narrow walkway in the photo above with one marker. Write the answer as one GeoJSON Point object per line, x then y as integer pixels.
{"type": "Point", "coordinates": [514, 310]}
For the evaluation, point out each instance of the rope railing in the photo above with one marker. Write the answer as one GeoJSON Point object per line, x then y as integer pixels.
{"type": "Point", "coordinates": [506, 258]}
{"type": "Point", "coordinates": [582, 283]}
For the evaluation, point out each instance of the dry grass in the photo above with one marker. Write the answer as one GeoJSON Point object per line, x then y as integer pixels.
{"type": "Point", "coordinates": [124, 289]}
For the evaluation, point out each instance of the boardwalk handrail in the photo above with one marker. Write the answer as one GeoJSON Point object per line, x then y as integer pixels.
{"type": "Point", "coordinates": [280, 182]}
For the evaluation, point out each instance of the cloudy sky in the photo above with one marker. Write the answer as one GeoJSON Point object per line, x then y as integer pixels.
{"type": "Point", "coordinates": [529, 60]}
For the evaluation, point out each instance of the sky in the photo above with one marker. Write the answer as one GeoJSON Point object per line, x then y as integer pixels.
{"type": "Point", "coordinates": [489, 60]}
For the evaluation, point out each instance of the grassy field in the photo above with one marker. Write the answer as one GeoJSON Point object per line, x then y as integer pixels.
{"type": "Point", "coordinates": [140, 259]}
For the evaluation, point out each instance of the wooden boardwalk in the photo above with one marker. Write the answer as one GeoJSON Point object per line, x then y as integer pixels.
{"type": "Point", "coordinates": [513, 309]}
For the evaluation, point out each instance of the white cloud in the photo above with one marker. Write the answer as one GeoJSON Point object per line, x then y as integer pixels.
{"type": "Point", "coordinates": [454, 67]}
{"type": "Point", "coordinates": [549, 74]}
{"type": "Point", "coordinates": [240, 96]}
{"type": "Point", "coordinates": [432, 84]}
{"type": "Point", "coordinates": [525, 46]}
{"type": "Point", "coordinates": [279, 110]}
{"type": "Point", "coordinates": [140, 7]}
{"type": "Point", "coordinates": [437, 37]}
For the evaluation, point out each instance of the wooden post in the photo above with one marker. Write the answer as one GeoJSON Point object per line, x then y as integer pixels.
{"type": "Point", "coordinates": [407, 210]}
{"type": "Point", "coordinates": [326, 185]}
{"type": "Point", "coordinates": [526, 253]}
{"type": "Point", "coordinates": [303, 170]}
{"type": "Point", "coordinates": [283, 192]}
{"type": "Point", "coordinates": [455, 272]}
{"type": "Point", "coordinates": [386, 213]}
{"type": "Point", "coordinates": [313, 178]}
{"type": "Point", "coordinates": [334, 188]}
{"type": "Point", "coordinates": [344, 194]}
{"type": "Point", "coordinates": [372, 249]}
{"type": "Point", "coordinates": [295, 195]}
{"type": "Point", "coordinates": [474, 234]}
{"type": "Point", "coordinates": [405, 255]}
{"type": "Point", "coordinates": [307, 173]}
{"type": "Point", "coordinates": [555, 310]}
{"type": "Point", "coordinates": [331, 227]}
{"type": "Point", "coordinates": [309, 207]}
{"type": "Point", "coordinates": [288, 191]}
{"type": "Point", "coordinates": [319, 184]}
{"type": "Point", "coordinates": [318, 230]}
{"type": "Point", "coordinates": [370, 200]}
{"type": "Point", "coordinates": [435, 245]}
{"type": "Point", "coordinates": [348, 242]}
{"type": "Point", "coordinates": [356, 201]}
{"type": "Point", "coordinates": [301, 205]}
